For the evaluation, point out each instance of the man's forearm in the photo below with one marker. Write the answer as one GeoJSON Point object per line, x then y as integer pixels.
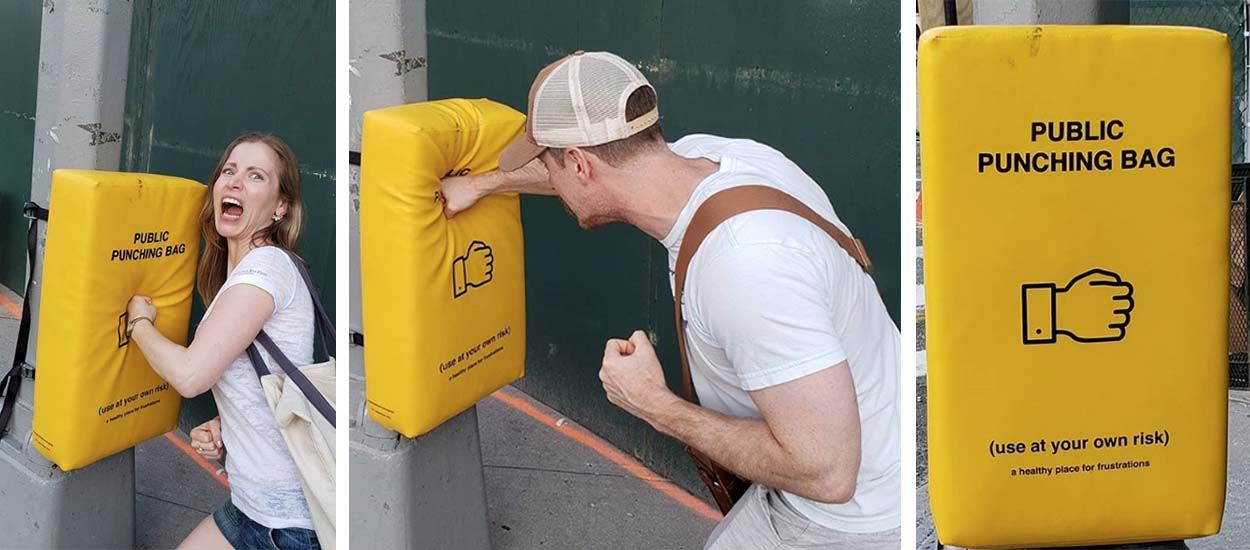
{"type": "Point", "coordinates": [460, 193]}
{"type": "Point", "coordinates": [530, 179]}
{"type": "Point", "coordinates": [748, 448]}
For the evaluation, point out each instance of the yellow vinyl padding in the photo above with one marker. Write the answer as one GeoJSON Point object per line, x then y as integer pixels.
{"type": "Point", "coordinates": [110, 236]}
{"type": "Point", "coordinates": [443, 301]}
{"type": "Point", "coordinates": [1076, 243]}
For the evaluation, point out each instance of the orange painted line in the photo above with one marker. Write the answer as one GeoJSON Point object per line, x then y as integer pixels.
{"type": "Point", "coordinates": [628, 463]}
{"type": "Point", "coordinates": [9, 305]}
{"type": "Point", "coordinates": [195, 457]}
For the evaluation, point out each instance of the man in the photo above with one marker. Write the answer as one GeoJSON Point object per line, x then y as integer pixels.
{"type": "Point", "coordinates": [793, 356]}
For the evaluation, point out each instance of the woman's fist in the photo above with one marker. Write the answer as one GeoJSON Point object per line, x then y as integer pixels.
{"type": "Point", "coordinates": [206, 440]}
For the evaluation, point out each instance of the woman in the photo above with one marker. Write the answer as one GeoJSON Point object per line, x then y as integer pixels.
{"type": "Point", "coordinates": [251, 216]}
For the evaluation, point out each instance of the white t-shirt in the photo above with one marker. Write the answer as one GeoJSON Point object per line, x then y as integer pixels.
{"type": "Point", "coordinates": [771, 298]}
{"type": "Point", "coordinates": [264, 482]}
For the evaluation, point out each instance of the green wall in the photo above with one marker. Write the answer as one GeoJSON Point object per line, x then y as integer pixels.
{"type": "Point", "coordinates": [201, 73]}
{"type": "Point", "coordinates": [1221, 15]}
{"type": "Point", "coordinates": [19, 22]}
{"type": "Point", "coordinates": [817, 80]}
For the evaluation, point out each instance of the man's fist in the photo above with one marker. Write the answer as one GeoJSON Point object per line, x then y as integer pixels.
{"type": "Point", "coordinates": [632, 377]}
{"type": "Point", "coordinates": [459, 193]}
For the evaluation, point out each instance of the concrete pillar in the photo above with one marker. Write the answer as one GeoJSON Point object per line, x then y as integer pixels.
{"type": "Point", "coordinates": [1068, 12]}
{"type": "Point", "coordinates": [426, 492]}
{"type": "Point", "coordinates": [83, 57]}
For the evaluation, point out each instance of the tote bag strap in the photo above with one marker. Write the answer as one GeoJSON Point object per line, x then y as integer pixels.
{"type": "Point", "coordinates": [305, 385]}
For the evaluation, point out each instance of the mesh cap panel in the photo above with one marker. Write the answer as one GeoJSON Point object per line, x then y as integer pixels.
{"type": "Point", "coordinates": [582, 101]}
{"type": "Point", "coordinates": [553, 105]}
{"type": "Point", "coordinates": [603, 88]}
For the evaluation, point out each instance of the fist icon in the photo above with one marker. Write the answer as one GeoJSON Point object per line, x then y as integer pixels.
{"type": "Point", "coordinates": [474, 269]}
{"type": "Point", "coordinates": [1094, 306]}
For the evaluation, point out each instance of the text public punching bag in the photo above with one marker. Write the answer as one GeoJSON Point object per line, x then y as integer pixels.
{"type": "Point", "coordinates": [443, 301]}
{"type": "Point", "coordinates": [110, 236]}
{"type": "Point", "coordinates": [1076, 207]}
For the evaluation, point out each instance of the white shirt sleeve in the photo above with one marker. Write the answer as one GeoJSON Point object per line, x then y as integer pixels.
{"type": "Point", "coordinates": [765, 305]}
{"type": "Point", "coordinates": [269, 269]}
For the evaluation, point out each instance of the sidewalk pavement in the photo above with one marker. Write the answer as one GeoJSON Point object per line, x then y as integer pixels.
{"type": "Point", "coordinates": [1234, 532]}
{"type": "Point", "coordinates": [549, 482]}
{"type": "Point", "coordinates": [552, 484]}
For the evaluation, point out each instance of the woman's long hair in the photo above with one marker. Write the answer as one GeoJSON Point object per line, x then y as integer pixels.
{"type": "Point", "coordinates": [283, 233]}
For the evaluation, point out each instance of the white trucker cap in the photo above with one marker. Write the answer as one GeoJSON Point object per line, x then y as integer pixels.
{"type": "Point", "coordinates": [578, 101]}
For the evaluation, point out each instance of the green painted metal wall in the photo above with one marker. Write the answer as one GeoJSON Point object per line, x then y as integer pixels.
{"type": "Point", "coordinates": [1225, 16]}
{"type": "Point", "coordinates": [201, 73]}
{"type": "Point", "coordinates": [817, 80]}
{"type": "Point", "coordinates": [19, 24]}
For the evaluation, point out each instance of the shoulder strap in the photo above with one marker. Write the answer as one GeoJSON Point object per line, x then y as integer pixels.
{"type": "Point", "coordinates": [727, 204]}
{"type": "Point", "coordinates": [12, 381]}
{"type": "Point", "coordinates": [293, 373]}
{"type": "Point", "coordinates": [324, 325]}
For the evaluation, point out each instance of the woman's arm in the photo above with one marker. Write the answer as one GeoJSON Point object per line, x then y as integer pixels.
{"type": "Point", "coordinates": [238, 315]}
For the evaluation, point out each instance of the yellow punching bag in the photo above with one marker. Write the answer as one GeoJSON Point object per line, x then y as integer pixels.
{"type": "Point", "coordinates": [443, 301]}
{"type": "Point", "coordinates": [1076, 227]}
{"type": "Point", "coordinates": [111, 236]}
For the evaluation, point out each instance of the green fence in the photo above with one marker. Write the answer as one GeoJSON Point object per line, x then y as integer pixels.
{"type": "Point", "coordinates": [19, 22]}
{"type": "Point", "coordinates": [817, 80]}
{"type": "Point", "coordinates": [1226, 16]}
{"type": "Point", "coordinates": [201, 73]}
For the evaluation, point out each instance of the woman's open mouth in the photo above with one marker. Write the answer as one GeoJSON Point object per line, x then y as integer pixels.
{"type": "Point", "coordinates": [231, 209]}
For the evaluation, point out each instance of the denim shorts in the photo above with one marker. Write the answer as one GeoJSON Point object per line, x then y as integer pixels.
{"type": "Point", "coordinates": [241, 532]}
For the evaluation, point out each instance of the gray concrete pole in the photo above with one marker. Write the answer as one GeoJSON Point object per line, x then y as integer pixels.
{"type": "Point", "coordinates": [1067, 12]}
{"type": "Point", "coordinates": [83, 57]}
{"type": "Point", "coordinates": [426, 492]}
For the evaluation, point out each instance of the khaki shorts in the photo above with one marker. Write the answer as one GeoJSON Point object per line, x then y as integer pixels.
{"type": "Point", "coordinates": [763, 520]}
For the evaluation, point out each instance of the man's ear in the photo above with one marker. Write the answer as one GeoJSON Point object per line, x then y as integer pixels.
{"type": "Point", "coordinates": [583, 163]}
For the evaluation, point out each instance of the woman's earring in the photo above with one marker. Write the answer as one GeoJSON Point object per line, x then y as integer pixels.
{"type": "Point", "coordinates": [276, 217]}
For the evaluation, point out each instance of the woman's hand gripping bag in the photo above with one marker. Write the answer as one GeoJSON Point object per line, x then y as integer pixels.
{"type": "Point", "coordinates": [443, 301]}
{"type": "Point", "coordinates": [110, 236]}
{"type": "Point", "coordinates": [1076, 207]}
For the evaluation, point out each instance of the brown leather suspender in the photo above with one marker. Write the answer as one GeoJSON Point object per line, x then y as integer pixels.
{"type": "Point", "coordinates": [727, 487]}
